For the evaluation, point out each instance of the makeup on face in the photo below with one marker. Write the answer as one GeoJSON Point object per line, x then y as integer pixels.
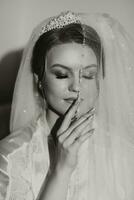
{"type": "Point", "coordinates": [70, 74]}
{"type": "Point", "coordinates": [65, 72]}
{"type": "Point", "coordinates": [86, 73]}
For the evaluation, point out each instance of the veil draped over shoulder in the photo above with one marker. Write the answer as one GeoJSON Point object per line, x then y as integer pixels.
{"type": "Point", "coordinates": [108, 155]}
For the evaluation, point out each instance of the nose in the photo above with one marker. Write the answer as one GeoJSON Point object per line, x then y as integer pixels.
{"type": "Point", "coordinates": [74, 84]}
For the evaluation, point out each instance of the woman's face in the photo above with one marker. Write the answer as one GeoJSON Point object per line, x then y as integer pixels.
{"type": "Point", "coordinates": [71, 69]}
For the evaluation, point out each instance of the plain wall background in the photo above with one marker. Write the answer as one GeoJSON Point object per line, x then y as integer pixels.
{"type": "Point", "coordinates": [18, 17]}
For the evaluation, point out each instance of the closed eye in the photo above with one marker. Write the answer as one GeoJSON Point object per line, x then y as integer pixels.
{"type": "Point", "coordinates": [89, 77]}
{"type": "Point", "coordinates": [61, 75]}
{"type": "Point", "coordinates": [89, 74]}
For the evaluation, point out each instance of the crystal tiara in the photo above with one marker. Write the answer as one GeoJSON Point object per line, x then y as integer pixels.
{"type": "Point", "coordinates": [60, 21]}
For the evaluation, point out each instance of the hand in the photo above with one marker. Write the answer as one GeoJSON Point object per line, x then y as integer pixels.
{"type": "Point", "coordinates": [70, 137]}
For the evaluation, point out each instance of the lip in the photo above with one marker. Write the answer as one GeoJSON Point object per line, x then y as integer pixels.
{"type": "Point", "coordinates": [70, 100]}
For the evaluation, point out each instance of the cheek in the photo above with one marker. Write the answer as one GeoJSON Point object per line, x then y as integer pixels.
{"type": "Point", "coordinates": [55, 87]}
{"type": "Point", "coordinates": [89, 92]}
{"type": "Point", "coordinates": [89, 89]}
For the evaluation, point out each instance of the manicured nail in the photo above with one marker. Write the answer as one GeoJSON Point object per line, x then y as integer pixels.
{"type": "Point", "coordinates": [74, 118]}
{"type": "Point", "coordinates": [91, 131]}
{"type": "Point", "coordinates": [91, 111]}
{"type": "Point", "coordinates": [91, 116]}
{"type": "Point", "coordinates": [78, 101]}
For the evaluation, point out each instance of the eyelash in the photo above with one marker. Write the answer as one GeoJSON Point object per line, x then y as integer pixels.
{"type": "Point", "coordinates": [66, 76]}
{"type": "Point", "coordinates": [90, 77]}
{"type": "Point", "coordinates": [61, 76]}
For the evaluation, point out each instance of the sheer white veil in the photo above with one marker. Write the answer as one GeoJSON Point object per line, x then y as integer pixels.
{"type": "Point", "coordinates": [110, 151]}
{"type": "Point", "coordinates": [27, 104]}
{"type": "Point", "coordinates": [116, 98]}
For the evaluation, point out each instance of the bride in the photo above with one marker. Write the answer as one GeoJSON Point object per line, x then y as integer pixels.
{"type": "Point", "coordinates": [72, 130]}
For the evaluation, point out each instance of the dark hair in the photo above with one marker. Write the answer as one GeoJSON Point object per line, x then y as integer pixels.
{"type": "Point", "coordinates": [71, 33]}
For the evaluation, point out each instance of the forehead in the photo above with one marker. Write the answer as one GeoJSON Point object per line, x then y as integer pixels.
{"type": "Point", "coordinates": [72, 55]}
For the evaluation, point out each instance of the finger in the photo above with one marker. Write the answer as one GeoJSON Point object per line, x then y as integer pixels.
{"type": "Point", "coordinates": [83, 138]}
{"type": "Point", "coordinates": [80, 130]}
{"type": "Point", "coordinates": [81, 118]}
{"type": "Point", "coordinates": [87, 128]}
{"type": "Point", "coordinates": [84, 117]}
{"type": "Point", "coordinates": [68, 116]}
{"type": "Point", "coordinates": [90, 113]}
{"type": "Point", "coordinates": [75, 131]}
{"type": "Point", "coordinates": [79, 141]}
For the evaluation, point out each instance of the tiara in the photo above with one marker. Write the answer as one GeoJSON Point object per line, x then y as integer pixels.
{"type": "Point", "coordinates": [60, 21]}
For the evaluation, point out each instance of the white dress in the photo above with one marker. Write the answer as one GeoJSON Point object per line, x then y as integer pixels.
{"type": "Point", "coordinates": [102, 173]}
{"type": "Point", "coordinates": [24, 162]}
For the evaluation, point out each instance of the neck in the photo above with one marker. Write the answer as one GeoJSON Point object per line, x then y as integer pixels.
{"type": "Point", "coordinates": [51, 118]}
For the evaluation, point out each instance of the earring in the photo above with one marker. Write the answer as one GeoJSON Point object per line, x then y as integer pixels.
{"type": "Point", "coordinates": [40, 85]}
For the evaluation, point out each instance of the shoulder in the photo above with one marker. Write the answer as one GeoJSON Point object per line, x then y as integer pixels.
{"type": "Point", "coordinates": [22, 154]}
{"type": "Point", "coordinates": [14, 142]}
{"type": "Point", "coordinates": [21, 140]}
{"type": "Point", "coordinates": [8, 146]}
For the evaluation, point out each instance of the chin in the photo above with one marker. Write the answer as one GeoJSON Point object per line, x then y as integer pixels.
{"type": "Point", "coordinates": [62, 108]}
{"type": "Point", "coordinates": [58, 110]}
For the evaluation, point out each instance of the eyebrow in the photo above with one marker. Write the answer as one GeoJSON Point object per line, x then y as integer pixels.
{"type": "Point", "coordinates": [68, 68]}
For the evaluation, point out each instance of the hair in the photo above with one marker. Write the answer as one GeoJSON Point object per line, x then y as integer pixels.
{"type": "Point", "coordinates": [71, 33]}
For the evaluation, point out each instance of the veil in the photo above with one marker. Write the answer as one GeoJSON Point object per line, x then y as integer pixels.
{"type": "Point", "coordinates": [116, 98]}
{"type": "Point", "coordinates": [109, 153]}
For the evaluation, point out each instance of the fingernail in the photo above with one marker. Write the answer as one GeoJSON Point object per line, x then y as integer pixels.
{"type": "Point", "coordinates": [75, 102]}
{"type": "Point", "coordinates": [78, 101]}
{"type": "Point", "coordinates": [91, 111]}
{"type": "Point", "coordinates": [90, 114]}
{"type": "Point", "coordinates": [91, 131]}
{"type": "Point", "coordinates": [74, 118]}
{"type": "Point", "coordinates": [90, 117]}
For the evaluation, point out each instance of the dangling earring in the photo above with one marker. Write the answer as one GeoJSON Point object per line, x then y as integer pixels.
{"type": "Point", "coordinates": [41, 89]}
{"type": "Point", "coordinates": [45, 105]}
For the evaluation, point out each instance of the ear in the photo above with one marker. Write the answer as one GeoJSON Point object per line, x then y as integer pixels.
{"type": "Point", "coordinates": [41, 89]}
